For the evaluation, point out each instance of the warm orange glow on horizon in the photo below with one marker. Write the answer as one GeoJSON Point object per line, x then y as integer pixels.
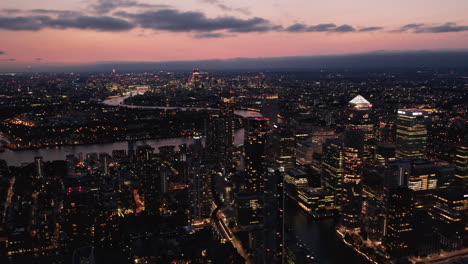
{"type": "Point", "coordinates": [54, 46]}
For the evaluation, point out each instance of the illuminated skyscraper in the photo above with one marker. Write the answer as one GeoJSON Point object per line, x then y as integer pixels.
{"type": "Point", "coordinates": [270, 108]}
{"type": "Point", "coordinates": [352, 174]}
{"type": "Point", "coordinates": [399, 229]}
{"type": "Point", "coordinates": [195, 77]}
{"type": "Point", "coordinates": [274, 216]}
{"type": "Point", "coordinates": [228, 125]}
{"type": "Point", "coordinates": [199, 193]}
{"type": "Point", "coordinates": [461, 163]}
{"type": "Point", "coordinates": [249, 210]}
{"type": "Point", "coordinates": [449, 211]}
{"type": "Point", "coordinates": [360, 116]}
{"type": "Point", "coordinates": [284, 146]}
{"type": "Point", "coordinates": [411, 134]}
{"type": "Point", "coordinates": [256, 136]}
{"type": "Point", "coordinates": [397, 173]}
{"type": "Point", "coordinates": [104, 158]}
{"type": "Point", "coordinates": [214, 138]}
{"type": "Point", "coordinates": [220, 132]}
{"type": "Point", "coordinates": [417, 174]}
{"type": "Point", "coordinates": [332, 168]}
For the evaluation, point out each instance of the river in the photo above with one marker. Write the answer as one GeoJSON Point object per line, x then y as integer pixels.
{"type": "Point", "coordinates": [318, 235]}
{"type": "Point", "coordinates": [18, 157]}
{"type": "Point", "coordinates": [118, 101]}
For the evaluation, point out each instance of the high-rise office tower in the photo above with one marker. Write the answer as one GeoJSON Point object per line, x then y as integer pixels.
{"type": "Point", "coordinates": [283, 144]}
{"type": "Point", "coordinates": [80, 210]}
{"type": "Point", "coordinates": [398, 207]}
{"type": "Point", "coordinates": [228, 125]}
{"type": "Point", "coordinates": [373, 218]}
{"type": "Point", "coordinates": [411, 134]}
{"type": "Point", "coordinates": [449, 211]}
{"type": "Point", "coordinates": [352, 174]}
{"type": "Point", "coordinates": [385, 152]}
{"type": "Point", "coordinates": [220, 132]}
{"type": "Point", "coordinates": [417, 174]}
{"type": "Point", "coordinates": [144, 152]}
{"type": "Point", "coordinates": [399, 228]}
{"type": "Point", "coordinates": [218, 148]}
{"type": "Point", "coordinates": [461, 163]}
{"type": "Point", "coordinates": [199, 192]}
{"type": "Point", "coordinates": [397, 173]}
{"type": "Point", "coordinates": [249, 210]}
{"type": "Point", "coordinates": [195, 77]}
{"type": "Point", "coordinates": [213, 126]}
{"type": "Point", "coordinates": [256, 136]}
{"type": "Point", "coordinates": [270, 108]}
{"type": "Point", "coordinates": [149, 187]}
{"type": "Point", "coordinates": [332, 168]}
{"type": "Point", "coordinates": [273, 226]}
{"type": "Point", "coordinates": [360, 116]}
{"type": "Point", "coordinates": [105, 158]}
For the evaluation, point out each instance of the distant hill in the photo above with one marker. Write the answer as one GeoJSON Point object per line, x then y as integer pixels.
{"type": "Point", "coordinates": [377, 60]}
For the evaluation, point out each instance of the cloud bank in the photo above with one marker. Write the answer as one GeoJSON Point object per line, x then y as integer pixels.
{"type": "Point", "coordinates": [125, 15]}
{"type": "Point", "coordinates": [35, 23]}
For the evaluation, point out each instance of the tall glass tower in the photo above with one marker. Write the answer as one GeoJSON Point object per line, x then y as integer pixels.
{"type": "Point", "coordinates": [256, 136]}
{"type": "Point", "coordinates": [411, 134]}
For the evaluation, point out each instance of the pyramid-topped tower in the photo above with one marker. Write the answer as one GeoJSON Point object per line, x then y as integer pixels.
{"type": "Point", "coordinates": [359, 102]}
{"type": "Point", "coordinates": [360, 115]}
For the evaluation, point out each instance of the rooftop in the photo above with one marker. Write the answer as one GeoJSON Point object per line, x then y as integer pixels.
{"type": "Point", "coordinates": [360, 102]}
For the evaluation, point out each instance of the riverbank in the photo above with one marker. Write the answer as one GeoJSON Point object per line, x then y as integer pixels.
{"type": "Point", "coordinates": [342, 236]}
{"type": "Point", "coordinates": [58, 146]}
{"type": "Point", "coordinates": [118, 101]}
{"type": "Point", "coordinates": [319, 235]}
{"type": "Point", "coordinates": [18, 157]}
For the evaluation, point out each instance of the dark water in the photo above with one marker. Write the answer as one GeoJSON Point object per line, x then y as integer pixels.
{"type": "Point", "coordinates": [17, 157]}
{"type": "Point", "coordinates": [319, 236]}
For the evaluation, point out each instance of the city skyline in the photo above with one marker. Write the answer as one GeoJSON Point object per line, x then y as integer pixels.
{"type": "Point", "coordinates": [234, 167]}
{"type": "Point", "coordinates": [236, 132]}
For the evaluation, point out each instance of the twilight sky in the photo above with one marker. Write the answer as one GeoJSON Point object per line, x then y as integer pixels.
{"type": "Point", "coordinates": [36, 32]}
